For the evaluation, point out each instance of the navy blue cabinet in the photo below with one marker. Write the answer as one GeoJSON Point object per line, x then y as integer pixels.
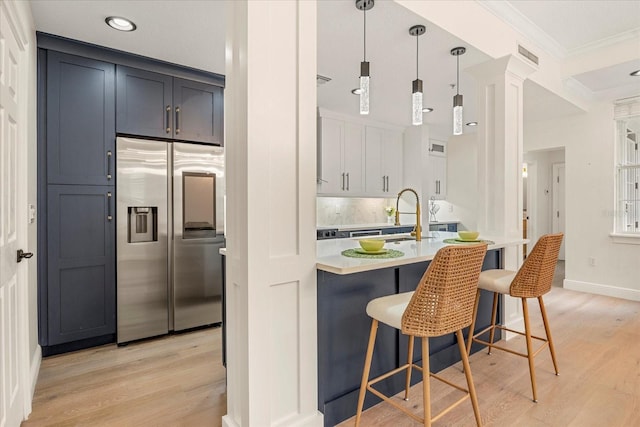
{"type": "Point", "coordinates": [81, 263]}
{"type": "Point", "coordinates": [145, 105]}
{"type": "Point", "coordinates": [77, 99]}
{"type": "Point", "coordinates": [80, 120]}
{"type": "Point", "coordinates": [158, 105]}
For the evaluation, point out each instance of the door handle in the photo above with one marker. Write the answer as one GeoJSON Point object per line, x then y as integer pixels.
{"type": "Point", "coordinates": [109, 216]}
{"type": "Point", "coordinates": [342, 181]}
{"type": "Point", "coordinates": [22, 254]}
{"type": "Point", "coordinates": [383, 184]}
{"type": "Point", "coordinates": [347, 181]}
{"type": "Point", "coordinates": [109, 154]}
{"type": "Point", "coordinates": [168, 117]}
{"type": "Point", "coordinates": [387, 183]}
{"type": "Point", "coordinates": [177, 120]}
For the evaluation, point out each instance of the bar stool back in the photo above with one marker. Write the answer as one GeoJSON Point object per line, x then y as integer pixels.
{"type": "Point", "coordinates": [532, 280]}
{"type": "Point", "coordinates": [442, 303]}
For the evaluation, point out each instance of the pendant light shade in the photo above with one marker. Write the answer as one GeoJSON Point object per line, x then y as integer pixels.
{"type": "Point", "coordinates": [416, 86]}
{"type": "Point", "coordinates": [364, 5]}
{"type": "Point", "coordinates": [457, 98]}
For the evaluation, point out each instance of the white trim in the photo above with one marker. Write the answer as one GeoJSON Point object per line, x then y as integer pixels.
{"type": "Point", "coordinates": [605, 42]}
{"type": "Point", "coordinates": [36, 361]}
{"type": "Point", "coordinates": [625, 238]}
{"type": "Point", "coordinates": [227, 421]}
{"type": "Point", "coordinates": [519, 22]}
{"type": "Point", "coordinates": [596, 288]}
{"type": "Point", "coordinates": [323, 112]}
{"type": "Point", "coordinates": [577, 88]}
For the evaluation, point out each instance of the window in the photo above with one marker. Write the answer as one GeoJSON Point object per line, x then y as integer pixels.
{"type": "Point", "coordinates": [627, 116]}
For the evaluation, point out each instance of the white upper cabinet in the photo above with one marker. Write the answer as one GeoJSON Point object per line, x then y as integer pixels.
{"type": "Point", "coordinates": [436, 176]}
{"type": "Point", "coordinates": [356, 159]}
{"type": "Point", "coordinates": [383, 161]}
{"type": "Point", "coordinates": [340, 157]}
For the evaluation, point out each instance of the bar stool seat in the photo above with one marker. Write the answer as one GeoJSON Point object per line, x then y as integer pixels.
{"type": "Point", "coordinates": [532, 280]}
{"type": "Point", "coordinates": [441, 304]}
{"type": "Point", "coordinates": [496, 280]}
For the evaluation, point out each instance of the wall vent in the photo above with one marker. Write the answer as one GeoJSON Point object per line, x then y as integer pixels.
{"type": "Point", "coordinates": [527, 54]}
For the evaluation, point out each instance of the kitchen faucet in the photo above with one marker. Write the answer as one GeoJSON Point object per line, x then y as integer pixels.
{"type": "Point", "coordinates": [417, 231]}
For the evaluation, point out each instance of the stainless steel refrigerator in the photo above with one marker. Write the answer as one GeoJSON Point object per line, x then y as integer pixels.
{"type": "Point", "coordinates": [170, 226]}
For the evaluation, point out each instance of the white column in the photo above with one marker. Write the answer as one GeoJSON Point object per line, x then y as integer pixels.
{"type": "Point", "coordinates": [270, 127]}
{"type": "Point", "coordinates": [500, 141]}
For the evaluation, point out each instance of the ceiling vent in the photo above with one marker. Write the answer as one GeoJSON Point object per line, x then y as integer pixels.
{"type": "Point", "coordinates": [527, 54]}
{"type": "Point", "coordinates": [320, 80]}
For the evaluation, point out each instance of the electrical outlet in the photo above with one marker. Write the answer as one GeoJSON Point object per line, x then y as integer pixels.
{"type": "Point", "coordinates": [337, 209]}
{"type": "Point", "coordinates": [592, 261]}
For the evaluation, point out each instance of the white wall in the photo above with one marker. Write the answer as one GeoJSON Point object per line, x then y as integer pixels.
{"type": "Point", "coordinates": [589, 157]}
{"type": "Point", "coordinates": [541, 186]}
{"type": "Point", "coordinates": [462, 179]}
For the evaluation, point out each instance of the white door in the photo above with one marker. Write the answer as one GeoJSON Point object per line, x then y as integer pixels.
{"type": "Point", "coordinates": [13, 336]}
{"type": "Point", "coordinates": [558, 203]}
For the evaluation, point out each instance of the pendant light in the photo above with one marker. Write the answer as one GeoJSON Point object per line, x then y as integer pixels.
{"type": "Point", "coordinates": [364, 5]}
{"type": "Point", "coordinates": [416, 86]}
{"type": "Point", "coordinates": [457, 99]}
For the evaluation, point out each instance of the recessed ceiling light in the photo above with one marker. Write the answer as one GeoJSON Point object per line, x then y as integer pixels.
{"type": "Point", "coordinates": [635, 73]}
{"type": "Point", "coordinates": [355, 91]}
{"type": "Point", "coordinates": [427, 109]}
{"type": "Point", "coordinates": [118, 23]}
{"type": "Point", "coordinates": [472, 124]}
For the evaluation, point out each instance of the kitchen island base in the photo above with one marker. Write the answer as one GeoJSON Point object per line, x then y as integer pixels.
{"type": "Point", "coordinates": [343, 331]}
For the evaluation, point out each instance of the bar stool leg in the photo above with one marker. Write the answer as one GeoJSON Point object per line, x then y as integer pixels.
{"type": "Point", "coordinates": [426, 374]}
{"type": "Point", "coordinates": [367, 368]}
{"type": "Point", "coordinates": [494, 312]}
{"type": "Point", "coordinates": [548, 332]}
{"type": "Point", "coordinates": [527, 330]}
{"type": "Point", "coordinates": [473, 323]}
{"type": "Point", "coordinates": [467, 374]}
{"type": "Point", "coordinates": [409, 362]}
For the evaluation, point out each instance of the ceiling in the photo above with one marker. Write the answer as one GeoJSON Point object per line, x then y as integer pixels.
{"type": "Point", "coordinates": [192, 32]}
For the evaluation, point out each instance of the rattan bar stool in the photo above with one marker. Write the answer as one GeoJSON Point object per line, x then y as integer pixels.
{"type": "Point", "coordinates": [532, 280]}
{"type": "Point", "coordinates": [441, 304]}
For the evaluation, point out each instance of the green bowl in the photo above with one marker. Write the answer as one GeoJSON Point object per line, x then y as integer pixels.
{"type": "Point", "coordinates": [371, 245]}
{"type": "Point", "coordinates": [468, 235]}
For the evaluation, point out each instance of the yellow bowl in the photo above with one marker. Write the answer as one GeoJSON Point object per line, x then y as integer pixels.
{"type": "Point", "coordinates": [468, 235]}
{"type": "Point", "coordinates": [371, 245]}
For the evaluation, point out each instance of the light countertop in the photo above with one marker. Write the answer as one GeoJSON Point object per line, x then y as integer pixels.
{"type": "Point", "coordinates": [330, 259]}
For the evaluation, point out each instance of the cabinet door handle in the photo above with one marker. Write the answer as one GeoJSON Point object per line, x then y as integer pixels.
{"type": "Point", "coordinates": [387, 183]}
{"type": "Point", "coordinates": [347, 181]}
{"type": "Point", "coordinates": [168, 117]}
{"type": "Point", "coordinates": [177, 120]}
{"type": "Point", "coordinates": [383, 184]}
{"type": "Point", "coordinates": [109, 154]}
{"type": "Point", "coordinates": [109, 216]}
{"type": "Point", "coordinates": [342, 181]}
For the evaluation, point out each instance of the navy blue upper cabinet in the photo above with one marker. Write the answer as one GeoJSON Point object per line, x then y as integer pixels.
{"type": "Point", "coordinates": [198, 111]}
{"type": "Point", "coordinates": [158, 105]}
{"type": "Point", "coordinates": [80, 124]}
{"type": "Point", "coordinates": [144, 103]}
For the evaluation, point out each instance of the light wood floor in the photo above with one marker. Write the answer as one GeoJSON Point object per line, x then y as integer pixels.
{"type": "Point", "coordinates": [179, 380]}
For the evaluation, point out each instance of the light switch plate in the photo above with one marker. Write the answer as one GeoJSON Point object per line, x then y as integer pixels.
{"type": "Point", "coordinates": [32, 214]}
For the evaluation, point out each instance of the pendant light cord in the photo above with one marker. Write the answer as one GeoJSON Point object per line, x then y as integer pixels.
{"type": "Point", "coordinates": [457, 74]}
{"type": "Point", "coordinates": [417, 56]}
{"type": "Point", "coordinates": [364, 11]}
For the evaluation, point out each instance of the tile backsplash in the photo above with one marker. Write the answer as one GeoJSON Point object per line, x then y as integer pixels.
{"type": "Point", "coordinates": [348, 210]}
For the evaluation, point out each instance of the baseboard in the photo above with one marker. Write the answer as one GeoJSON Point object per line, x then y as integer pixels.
{"type": "Point", "coordinates": [34, 370]}
{"type": "Point", "coordinates": [314, 420]}
{"type": "Point", "coordinates": [606, 290]}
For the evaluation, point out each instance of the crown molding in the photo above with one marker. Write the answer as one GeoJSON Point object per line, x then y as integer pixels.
{"type": "Point", "coordinates": [512, 16]}
{"type": "Point", "coordinates": [607, 41]}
